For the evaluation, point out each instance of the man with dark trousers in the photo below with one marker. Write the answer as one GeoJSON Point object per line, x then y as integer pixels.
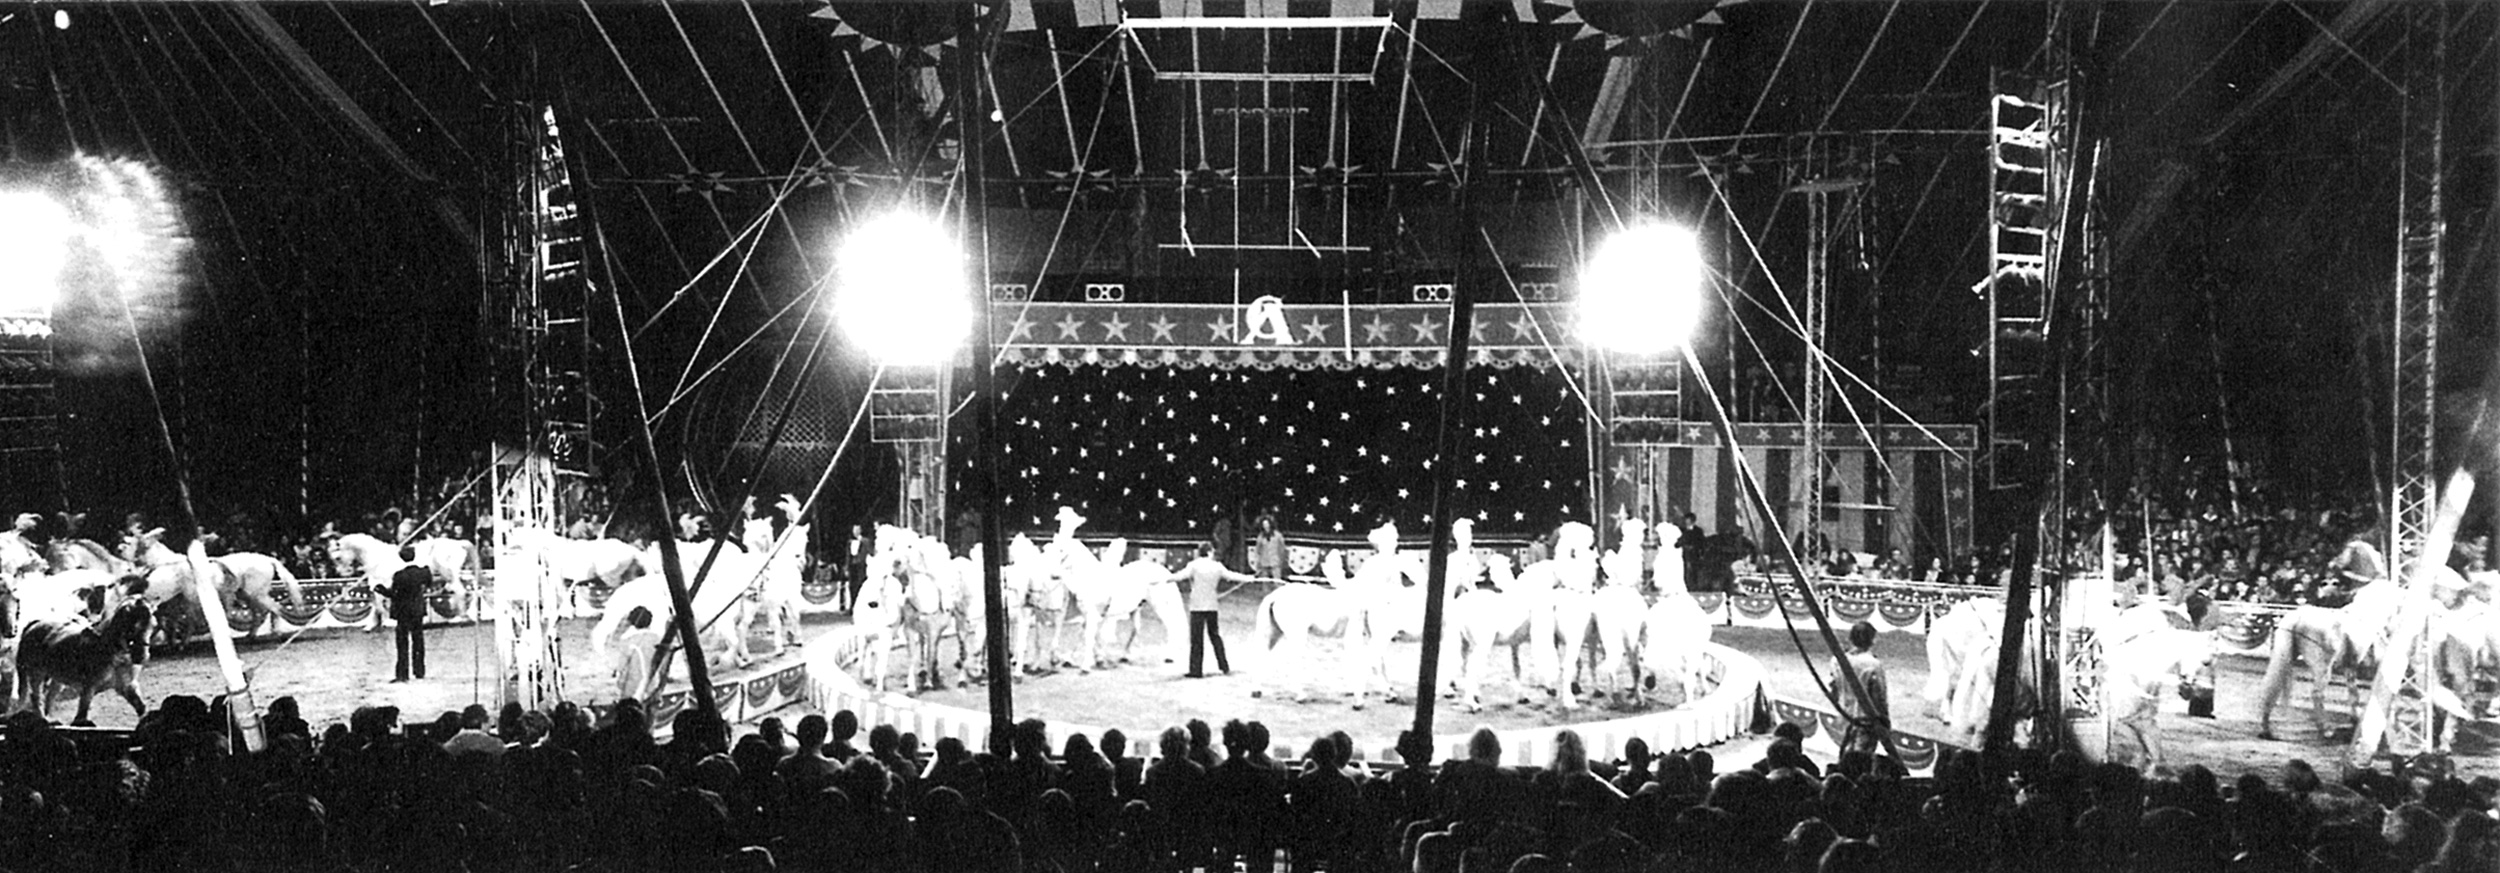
{"type": "Point", "coordinates": [407, 596]}
{"type": "Point", "coordinates": [1202, 575]}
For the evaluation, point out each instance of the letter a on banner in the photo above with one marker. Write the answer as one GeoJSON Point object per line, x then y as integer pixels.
{"type": "Point", "coordinates": [1265, 320]}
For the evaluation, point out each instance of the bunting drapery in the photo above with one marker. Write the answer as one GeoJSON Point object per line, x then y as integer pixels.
{"type": "Point", "coordinates": [1906, 490]}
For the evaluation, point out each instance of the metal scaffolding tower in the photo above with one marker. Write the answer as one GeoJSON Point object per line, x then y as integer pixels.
{"type": "Point", "coordinates": [1819, 178]}
{"type": "Point", "coordinates": [2399, 706]}
{"type": "Point", "coordinates": [2414, 333]}
{"type": "Point", "coordinates": [544, 341]}
{"type": "Point", "coordinates": [30, 412]}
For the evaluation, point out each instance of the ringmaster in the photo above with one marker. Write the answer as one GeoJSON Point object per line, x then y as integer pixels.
{"type": "Point", "coordinates": [1203, 574]}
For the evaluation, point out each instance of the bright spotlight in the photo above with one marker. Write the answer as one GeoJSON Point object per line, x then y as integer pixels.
{"type": "Point", "coordinates": [34, 244]}
{"type": "Point", "coordinates": [899, 289]}
{"type": "Point", "coordinates": [1640, 292]}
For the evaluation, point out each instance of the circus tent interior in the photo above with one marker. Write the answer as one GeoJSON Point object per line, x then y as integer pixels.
{"type": "Point", "coordinates": [1979, 278]}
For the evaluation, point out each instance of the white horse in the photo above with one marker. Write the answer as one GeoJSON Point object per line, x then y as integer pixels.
{"type": "Point", "coordinates": [66, 554]}
{"type": "Point", "coordinates": [972, 629]}
{"type": "Point", "coordinates": [1620, 613]}
{"type": "Point", "coordinates": [1675, 637]}
{"type": "Point", "coordinates": [2346, 642]}
{"type": "Point", "coordinates": [785, 573]}
{"type": "Point", "coordinates": [373, 558]}
{"type": "Point", "coordinates": [245, 579]}
{"type": "Point", "coordinates": [877, 616]}
{"type": "Point", "coordinates": [1115, 591]}
{"type": "Point", "coordinates": [1292, 615]}
{"type": "Point", "coordinates": [1569, 582]}
{"type": "Point", "coordinates": [1017, 577]}
{"type": "Point", "coordinates": [455, 565]}
{"type": "Point", "coordinates": [606, 563]}
{"type": "Point", "coordinates": [1954, 639]}
{"type": "Point", "coordinates": [249, 578]}
{"type": "Point", "coordinates": [1520, 617]}
{"type": "Point", "coordinates": [1398, 614]}
{"type": "Point", "coordinates": [63, 595]}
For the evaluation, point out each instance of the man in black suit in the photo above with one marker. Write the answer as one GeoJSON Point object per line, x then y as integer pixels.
{"type": "Point", "coordinates": [1690, 541]}
{"type": "Point", "coordinates": [407, 596]}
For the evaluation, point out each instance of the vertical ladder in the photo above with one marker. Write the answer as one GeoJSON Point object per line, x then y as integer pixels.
{"type": "Point", "coordinates": [907, 410]}
{"type": "Point", "coordinates": [2022, 212]}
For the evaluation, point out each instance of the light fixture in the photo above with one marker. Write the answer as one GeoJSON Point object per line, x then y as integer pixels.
{"type": "Point", "coordinates": [35, 232]}
{"type": "Point", "coordinates": [899, 289]}
{"type": "Point", "coordinates": [1640, 292]}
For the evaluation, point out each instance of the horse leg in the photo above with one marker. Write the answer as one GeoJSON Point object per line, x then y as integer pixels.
{"type": "Point", "coordinates": [86, 698]}
{"type": "Point", "coordinates": [2278, 678]}
{"type": "Point", "coordinates": [129, 690]}
{"type": "Point", "coordinates": [268, 608]}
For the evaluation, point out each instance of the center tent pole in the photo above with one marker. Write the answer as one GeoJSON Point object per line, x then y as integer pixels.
{"type": "Point", "coordinates": [1465, 240]}
{"type": "Point", "coordinates": [971, 115]}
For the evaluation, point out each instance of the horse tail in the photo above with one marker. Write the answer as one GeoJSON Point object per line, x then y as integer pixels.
{"type": "Point", "coordinates": [294, 586]}
{"type": "Point", "coordinates": [2286, 646]}
{"type": "Point", "coordinates": [1268, 630]}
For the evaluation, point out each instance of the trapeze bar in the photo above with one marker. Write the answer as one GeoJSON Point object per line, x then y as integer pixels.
{"type": "Point", "coordinates": [1278, 23]}
{"type": "Point", "coordinates": [1262, 247]}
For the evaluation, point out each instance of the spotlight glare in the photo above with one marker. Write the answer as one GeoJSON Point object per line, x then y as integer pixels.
{"type": "Point", "coordinates": [1640, 292]}
{"type": "Point", "coordinates": [899, 289]}
{"type": "Point", "coordinates": [34, 245]}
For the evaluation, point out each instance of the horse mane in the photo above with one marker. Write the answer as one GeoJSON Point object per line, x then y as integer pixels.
{"type": "Point", "coordinates": [128, 623]}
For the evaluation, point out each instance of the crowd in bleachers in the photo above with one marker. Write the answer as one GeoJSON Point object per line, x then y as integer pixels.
{"type": "Point", "coordinates": [2255, 545]}
{"type": "Point", "coordinates": [563, 791]}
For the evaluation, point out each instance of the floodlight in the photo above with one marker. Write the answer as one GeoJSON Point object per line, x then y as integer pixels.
{"type": "Point", "coordinates": [899, 289]}
{"type": "Point", "coordinates": [1640, 292]}
{"type": "Point", "coordinates": [34, 244]}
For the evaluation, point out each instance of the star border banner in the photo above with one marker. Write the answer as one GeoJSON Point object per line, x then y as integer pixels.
{"type": "Point", "coordinates": [1267, 334]}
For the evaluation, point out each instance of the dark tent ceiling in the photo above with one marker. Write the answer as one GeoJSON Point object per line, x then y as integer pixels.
{"type": "Point", "coordinates": [345, 168]}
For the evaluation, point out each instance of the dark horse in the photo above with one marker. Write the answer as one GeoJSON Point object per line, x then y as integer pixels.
{"type": "Point", "coordinates": [81, 655]}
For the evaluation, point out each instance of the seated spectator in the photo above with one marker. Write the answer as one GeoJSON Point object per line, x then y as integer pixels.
{"type": "Point", "coordinates": [472, 738]}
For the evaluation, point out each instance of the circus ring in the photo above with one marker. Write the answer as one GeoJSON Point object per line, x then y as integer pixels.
{"type": "Point", "coordinates": [332, 669]}
{"type": "Point", "coordinates": [1071, 703]}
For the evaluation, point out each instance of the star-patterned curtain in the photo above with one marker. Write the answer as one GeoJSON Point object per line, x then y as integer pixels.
{"type": "Point", "coordinates": [1160, 451]}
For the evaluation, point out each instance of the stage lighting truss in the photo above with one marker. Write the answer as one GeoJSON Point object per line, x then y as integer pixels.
{"type": "Point", "coordinates": [1259, 48]}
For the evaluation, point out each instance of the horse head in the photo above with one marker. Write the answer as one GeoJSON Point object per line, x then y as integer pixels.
{"type": "Point", "coordinates": [1632, 528]}
{"type": "Point", "coordinates": [128, 625]}
{"type": "Point", "coordinates": [343, 554]}
{"type": "Point", "coordinates": [1384, 539]}
{"type": "Point", "coordinates": [1574, 539]}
